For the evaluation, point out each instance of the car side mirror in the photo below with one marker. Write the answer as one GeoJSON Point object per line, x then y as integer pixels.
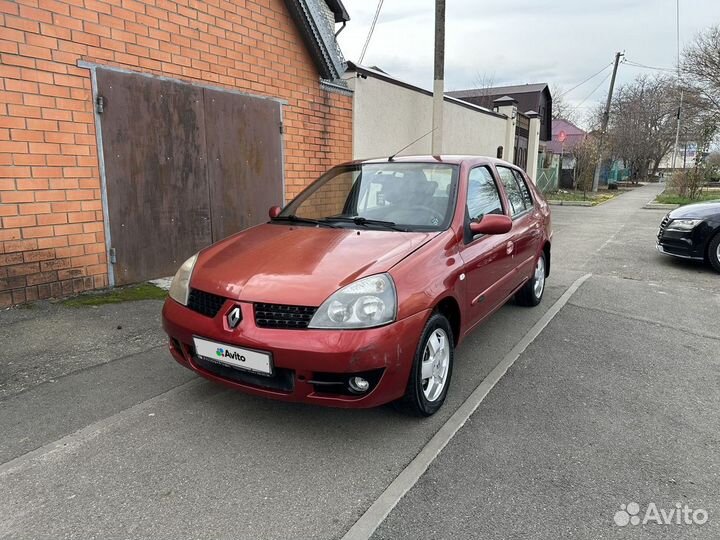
{"type": "Point", "coordinates": [274, 211]}
{"type": "Point", "coordinates": [491, 224]}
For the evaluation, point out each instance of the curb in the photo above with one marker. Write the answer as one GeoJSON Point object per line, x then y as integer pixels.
{"type": "Point", "coordinates": [651, 205]}
{"type": "Point", "coordinates": [571, 203]}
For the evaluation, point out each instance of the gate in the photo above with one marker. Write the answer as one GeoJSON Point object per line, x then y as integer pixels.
{"type": "Point", "coordinates": [185, 166]}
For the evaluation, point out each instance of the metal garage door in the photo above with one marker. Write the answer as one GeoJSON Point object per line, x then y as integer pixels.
{"type": "Point", "coordinates": [185, 166]}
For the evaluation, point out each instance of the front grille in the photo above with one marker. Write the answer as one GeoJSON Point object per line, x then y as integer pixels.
{"type": "Point", "coordinates": [663, 225]}
{"type": "Point", "coordinates": [205, 303]}
{"type": "Point", "coordinates": [282, 380]}
{"type": "Point", "coordinates": [283, 316]}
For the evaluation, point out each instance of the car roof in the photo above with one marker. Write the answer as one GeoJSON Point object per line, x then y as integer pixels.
{"type": "Point", "coordinates": [451, 159]}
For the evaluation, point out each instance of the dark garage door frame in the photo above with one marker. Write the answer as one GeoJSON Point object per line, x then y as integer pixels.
{"type": "Point", "coordinates": [93, 67]}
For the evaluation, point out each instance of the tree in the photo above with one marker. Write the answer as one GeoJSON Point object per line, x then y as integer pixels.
{"type": "Point", "coordinates": [586, 155]}
{"type": "Point", "coordinates": [701, 67]}
{"type": "Point", "coordinates": [642, 125]}
{"type": "Point", "coordinates": [561, 109]}
{"type": "Point", "coordinates": [484, 82]}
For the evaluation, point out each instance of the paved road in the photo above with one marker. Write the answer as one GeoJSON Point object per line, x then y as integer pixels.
{"type": "Point", "coordinates": [615, 402]}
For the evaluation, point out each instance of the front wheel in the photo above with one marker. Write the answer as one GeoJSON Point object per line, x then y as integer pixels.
{"type": "Point", "coordinates": [714, 252]}
{"type": "Point", "coordinates": [532, 292]}
{"type": "Point", "coordinates": [431, 370]}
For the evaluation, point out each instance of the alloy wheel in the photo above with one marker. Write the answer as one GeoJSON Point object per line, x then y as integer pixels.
{"type": "Point", "coordinates": [435, 364]}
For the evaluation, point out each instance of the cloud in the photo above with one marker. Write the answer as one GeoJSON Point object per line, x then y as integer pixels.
{"type": "Point", "coordinates": [560, 42]}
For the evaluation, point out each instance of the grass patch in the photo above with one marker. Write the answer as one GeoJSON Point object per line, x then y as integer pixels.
{"type": "Point", "coordinates": [594, 198]}
{"type": "Point", "coordinates": [672, 198]}
{"type": "Point", "coordinates": [132, 293]}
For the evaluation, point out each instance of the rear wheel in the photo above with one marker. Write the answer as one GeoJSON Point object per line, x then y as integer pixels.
{"type": "Point", "coordinates": [714, 252]}
{"type": "Point", "coordinates": [431, 369]}
{"type": "Point", "coordinates": [532, 292]}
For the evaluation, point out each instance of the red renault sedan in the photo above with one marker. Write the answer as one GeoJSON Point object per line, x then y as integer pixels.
{"type": "Point", "coordinates": [358, 291]}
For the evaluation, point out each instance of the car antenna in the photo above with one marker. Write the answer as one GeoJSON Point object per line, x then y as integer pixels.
{"type": "Point", "coordinates": [409, 145]}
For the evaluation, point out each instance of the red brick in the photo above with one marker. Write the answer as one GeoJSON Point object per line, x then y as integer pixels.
{"type": "Point", "coordinates": [44, 277]}
{"type": "Point", "coordinates": [11, 258]}
{"type": "Point", "coordinates": [8, 234]}
{"type": "Point", "coordinates": [52, 219]}
{"type": "Point", "coordinates": [53, 242]}
{"type": "Point", "coordinates": [23, 269]}
{"type": "Point", "coordinates": [37, 232]}
{"type": "Point", "coordinates": [18, 221]}
{"type": "Point", "coordinates": [39, 255]}
{"type": "Point", "coordinates": [74, 228]}
{"type": "Point", "coordinates": [55, 264]}
{"type": "Point", "coordinates": [16, 197]}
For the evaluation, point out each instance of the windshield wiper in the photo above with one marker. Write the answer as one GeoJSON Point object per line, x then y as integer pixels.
{"type": "Point", "coordinates": [296, 219]}
{"type": "Point", "coordinates": [359, 220]}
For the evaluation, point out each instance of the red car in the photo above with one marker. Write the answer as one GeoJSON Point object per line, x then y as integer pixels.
{"type": "Point", "coordinates": [358, 291]}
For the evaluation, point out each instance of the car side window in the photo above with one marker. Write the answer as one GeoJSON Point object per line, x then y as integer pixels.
{"type": "Point", "coordinates": [483, 196]}
{"type": "Point", "coordinates": [512, 189]}
{"type": "Point", "coordinates": [524, 189]}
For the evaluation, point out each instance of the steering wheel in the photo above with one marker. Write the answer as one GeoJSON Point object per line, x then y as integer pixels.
{"type": "Point", "coordinates": [420, 208]}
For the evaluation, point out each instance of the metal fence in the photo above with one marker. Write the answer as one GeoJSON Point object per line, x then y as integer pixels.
{"type": "Point", "coordinates": [618, 175]}
{"type": "Point", "coordinates": [547, 179]}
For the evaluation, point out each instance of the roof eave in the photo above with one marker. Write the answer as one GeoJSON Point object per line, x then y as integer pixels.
{"type": "Point", "coordinates": [329, 63]}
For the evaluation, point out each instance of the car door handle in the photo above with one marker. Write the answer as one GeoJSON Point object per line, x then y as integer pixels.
{"type": "Point", "coordinates": [509, 248]}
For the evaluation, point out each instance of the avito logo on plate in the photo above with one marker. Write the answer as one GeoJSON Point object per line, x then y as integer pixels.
{"type": "Point", "coordinates": [678, 515]}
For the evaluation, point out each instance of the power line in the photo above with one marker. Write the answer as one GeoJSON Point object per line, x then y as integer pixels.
{"type": "Point", "coordinates": [370, 33]}
{"type": "Point", "coordinates": [586, 80]}
{"type": "Point", "coordinates": [591, 93]}
{"type": "Point", "coordinates": [645, 66]}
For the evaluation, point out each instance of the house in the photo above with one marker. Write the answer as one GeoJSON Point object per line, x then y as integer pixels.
{"type": "Point", "coordinates": [565, 137]}
{"type": "Point", "coordinates": [134, 133]}
{"type": "Point", "coordinates": [391, 115]}
{"type": "Point", "coordinates": [529, 97]}
{"type": "Point", "coordinates": [530, 100]}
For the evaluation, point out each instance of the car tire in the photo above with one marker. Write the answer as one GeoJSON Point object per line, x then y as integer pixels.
{"type": "Point", "coordinates": [424, 396]}
{"type": "Point", "coordinates": [714, 252]}
{"type": "Point", "coordinates": [532, 292]}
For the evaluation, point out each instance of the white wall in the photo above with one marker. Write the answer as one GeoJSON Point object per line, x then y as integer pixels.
{"type": "Point", "coordinates": [387, 117]}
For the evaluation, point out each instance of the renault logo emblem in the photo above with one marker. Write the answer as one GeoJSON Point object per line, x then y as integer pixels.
{"type": "Point", "coordinates": [234, 317]}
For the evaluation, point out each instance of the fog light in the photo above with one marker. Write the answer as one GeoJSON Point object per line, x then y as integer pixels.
{"type": "Point", "coordinates": [358, 384]}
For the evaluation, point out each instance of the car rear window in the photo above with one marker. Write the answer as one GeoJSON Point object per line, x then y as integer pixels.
{"type": "Point", "coordinates": [512, 189]}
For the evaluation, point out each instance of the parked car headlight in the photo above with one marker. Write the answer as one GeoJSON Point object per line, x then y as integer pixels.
{"type": "Point", "coordinates": [684, 224]}
{"type": "Point", "coordinates": [180, 286]}
{"type": "Point", "coordinates": [366, 303]}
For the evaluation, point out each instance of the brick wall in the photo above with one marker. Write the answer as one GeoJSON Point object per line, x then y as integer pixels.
{"type": "Point", "coordinates": [52, 239]}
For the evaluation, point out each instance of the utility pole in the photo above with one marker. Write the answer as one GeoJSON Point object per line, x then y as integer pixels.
{"type": "Point", "coordinates": [605, 120]}
{"type": "Point", "coordinates": [677, 131]}
{"type": "Point", "coordinates": [439, 81]}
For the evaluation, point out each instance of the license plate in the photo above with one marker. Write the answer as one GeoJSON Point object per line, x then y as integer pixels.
{"type": "Point", "coordinates": [236, 357]}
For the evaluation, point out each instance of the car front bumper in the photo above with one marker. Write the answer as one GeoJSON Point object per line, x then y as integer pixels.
{"type": "Point", "coordinates": [310, 366]}
{"type": "Point", "coordinates": [681, 244]}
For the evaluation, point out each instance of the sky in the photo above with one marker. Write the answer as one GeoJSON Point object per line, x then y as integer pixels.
{"type": "Point", "coordinates": [559, 42]}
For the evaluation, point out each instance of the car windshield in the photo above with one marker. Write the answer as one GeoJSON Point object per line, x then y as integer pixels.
{"type": "Point", "coordinates": [393, 196]}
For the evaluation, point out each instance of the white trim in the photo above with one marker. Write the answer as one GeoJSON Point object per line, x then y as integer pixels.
{"type": "Point", "coordinates": [103, 178]}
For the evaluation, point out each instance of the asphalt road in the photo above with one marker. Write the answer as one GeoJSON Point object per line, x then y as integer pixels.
{"type": "Point", "coordinates": [616, 401]}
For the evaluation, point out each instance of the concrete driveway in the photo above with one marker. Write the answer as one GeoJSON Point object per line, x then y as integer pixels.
{"type": "Point", "coordinates": [615, 400]}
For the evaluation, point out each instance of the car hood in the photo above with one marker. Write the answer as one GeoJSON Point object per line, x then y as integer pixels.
{"type": "Point", "coordinates": [701, 210]}
{"type": "Point", "coordinates": [298, 265]}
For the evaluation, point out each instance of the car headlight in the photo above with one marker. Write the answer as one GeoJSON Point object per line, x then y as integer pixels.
{"type": "Point", "coordinates": [180, 286]}
{"type": "Point", "coordinates": [684, 224]}
{"type": "Point", "coordinates": [366, 303]}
